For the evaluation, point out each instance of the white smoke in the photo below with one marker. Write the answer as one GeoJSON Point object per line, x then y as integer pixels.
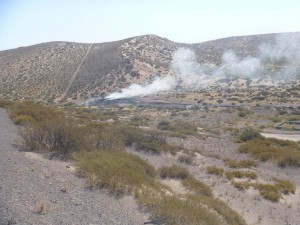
{"type": "Point", "coordinates": [286, 47]}
{"type": "Point", "coordinates": [185, 70]}
{"type": "Point", "coordinates": [236, 66]}
{"type": "Point", "coordinates": [188, 73]}
{"type": "Point", "coordinates": [134, 90]}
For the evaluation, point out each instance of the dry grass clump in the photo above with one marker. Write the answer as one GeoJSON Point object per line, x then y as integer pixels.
{"type": "Point", "coordinates": [215, 170]}
{"type": "Point", "coordinates": [186, 159]}
{"type": "Point", "coordinates": [120, 172]}
{"type": "Point", "coordinates": [269, 191]}
{"type": "Point", "coordinates": [169, 209]}
{"type": "Point", "coordinates": [240, 174]}
{"type": "Point", "coordinates": [139, 121]}
{"type": "Point", "coordinates": [5, 103]}
{"type": "Point", "coordinates": [146, 141]}
{"type": "Point", "coordinates": [241, 185]}
{"type": "Point", "coordinates": [197, 187]}
{"type": "Point", "coordinates": [174, 172]}
{"type": "Point", "coordinates": [179, 128]}
{"type": "Point", "coordinates": [283, 153]}
{"type": "Point", "coordinates": [32, 112]}
{"type": "Point", "coordinates": [240, 164]}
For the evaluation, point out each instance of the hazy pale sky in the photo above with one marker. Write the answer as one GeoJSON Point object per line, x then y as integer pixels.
{"type": "Point", "coordinates": [27, 22]}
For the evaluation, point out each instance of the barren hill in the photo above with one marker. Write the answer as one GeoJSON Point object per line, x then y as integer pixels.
{"type": "Point", "coordinates": [79, 71]}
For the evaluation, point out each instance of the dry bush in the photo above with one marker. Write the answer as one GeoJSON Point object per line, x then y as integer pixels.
{"type": "Point", "coordinates": [215, 170]}
{"type": "Point", "coordinates": [240, 174]}
{"type": "Point", "coordinates": [186, 159]}
{"type": "Point", "coordinates": [283, 153]}
{"type": "Point", "coordinates": [240, 164]}
{"type": "Point", "coordinates": [174, 172]}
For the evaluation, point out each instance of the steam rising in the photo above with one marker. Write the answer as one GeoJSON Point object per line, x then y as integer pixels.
{"type": "Point", "coordinates": [188, 73]}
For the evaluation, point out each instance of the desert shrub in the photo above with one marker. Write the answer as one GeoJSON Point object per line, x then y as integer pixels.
{"type": "Point", "coordinates": [169, 209]}
{"type": "Point", "coordinates": [164, 125]}
{"type": "Point", "coordinates": [179, 128]}
{"type": "Point", "coordinates": [283, 153]}
{"type": "Point", "coordinates": [55, 136]}
{"type": "Point", "coordinates": [240, 164]}
{"type": "Point", "coordinates": [197, 187]}
{"type": "Point", "coordinates": [215, 170]}
{"type": "Point", "coordinates": [120, 172]}
{"type": "Point", "coordinates": [230, 216]}
{"type": "Point", "coordinates": [139, 121]}
{"type": "Point", "coordinates": [269, 191]}
{"type": "Point", "coordinates": [187, 159]}
{"type": "Point", "coordinates": [285, 187]}
{"type": "Point", "coordinates": [146, 141]}
{"type": "Point", "coordinates": [249, 134]}
{"type": "Point", "coordinates": [174, 172]}
{"type": "Point", "coordinates": [241, 185]}
{"type": "Point", "coordinates": [33, 112]}
{"type": "Point", "coordinates": [242, 114]}
{"type": "Point", "coordinates": [5, 103]}
{"type": "Point", "coordinates": [240, 174]}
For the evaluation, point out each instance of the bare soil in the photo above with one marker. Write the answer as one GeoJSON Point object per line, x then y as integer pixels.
{"type": "Point", "coordinates": [37, 190]}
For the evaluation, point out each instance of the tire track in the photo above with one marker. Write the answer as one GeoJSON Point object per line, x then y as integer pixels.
{"type": "Point", "coordinates": [76, 72]}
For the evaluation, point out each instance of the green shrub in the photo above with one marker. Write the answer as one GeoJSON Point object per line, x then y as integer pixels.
{"type": "Point", "coordinates": [215, 170]}
{"type": "Point", "coordinates": [164, 125]}
{"type": "Point", "coordinates": [249, 134]}
{"type": "Point", "coordinates": [146, 141]}
{"type": "Point", "coordinates": [120, 172]}
{"type": "Point", "coordinates": [174, 172]}
{"type": "Point", "coordinates": [242, 114]}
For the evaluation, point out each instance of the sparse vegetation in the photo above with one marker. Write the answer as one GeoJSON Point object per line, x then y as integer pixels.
{"type": "Point", "coordinates": [215, 170]}
{"type": "Point", "coordinates": [174, 172]}
{"type": "Point", "coordinates": [283, 153]}
{"type": "Point", "coordinates": [241, 185]}
{"type": "Point", "coordinates": [240, 164]}
{"type": "Point", "coordinates": [178, 128]}
{"type": "Point", "coordinates": [240, 174]}
{"type": "Point", "coordinates": [186, 159]}
{"type": "Point", "coordinates": [120, 172]}
{"type": "Point", "coordinates": [249, 134]}
{"type": "Point", "coordinates": [197, 187]}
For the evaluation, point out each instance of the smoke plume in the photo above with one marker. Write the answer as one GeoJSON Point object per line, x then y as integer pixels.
{"type": "Point", "coordinates": [186, 72]}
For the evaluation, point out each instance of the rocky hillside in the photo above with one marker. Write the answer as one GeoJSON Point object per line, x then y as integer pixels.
{"type": "Point", "coordinates": [64, 70]}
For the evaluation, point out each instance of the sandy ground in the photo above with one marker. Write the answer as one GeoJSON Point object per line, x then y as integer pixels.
{"type": "Point", "coordinates": [290, 137]}
{"type": "Point", "coordinates": [248, 203]}
{"type": "Point", "coordinates": [29, 181]}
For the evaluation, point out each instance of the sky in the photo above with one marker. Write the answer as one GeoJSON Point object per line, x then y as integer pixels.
{"type": "Point", "coordinates": [28, 22]}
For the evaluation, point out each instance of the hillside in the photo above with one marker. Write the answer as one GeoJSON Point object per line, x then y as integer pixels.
{"type": "Point", "coordinates": [67, 70]}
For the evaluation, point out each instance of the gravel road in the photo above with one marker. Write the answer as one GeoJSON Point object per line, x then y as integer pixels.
{"type": "Point", "coordinates": [30, 181]}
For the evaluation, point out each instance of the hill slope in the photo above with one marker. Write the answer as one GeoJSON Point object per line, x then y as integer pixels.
{"type": "Point", "coordinates": [56, 69]}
